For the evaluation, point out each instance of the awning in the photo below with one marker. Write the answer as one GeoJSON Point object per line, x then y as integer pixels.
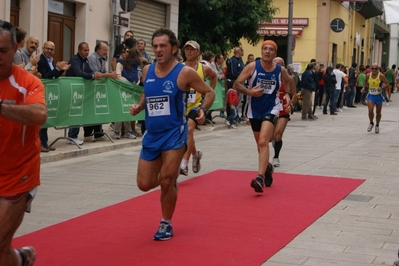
{"type": "Point", "coordinates": [279, 31]}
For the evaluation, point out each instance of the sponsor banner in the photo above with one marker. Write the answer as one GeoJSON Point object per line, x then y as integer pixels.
{"type": "Point", "coordinates": [74, 101]}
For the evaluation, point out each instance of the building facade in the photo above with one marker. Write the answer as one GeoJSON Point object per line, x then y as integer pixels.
{"type": "Point", "coordinates": [67, 23]}
{"type": "Point", "coordinates": [330, 31]}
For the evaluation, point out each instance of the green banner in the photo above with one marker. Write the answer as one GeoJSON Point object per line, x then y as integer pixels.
{"type": "Point", "coordinates": [219, 95]}
{"type": "Point", "coordinates": [73, 101]}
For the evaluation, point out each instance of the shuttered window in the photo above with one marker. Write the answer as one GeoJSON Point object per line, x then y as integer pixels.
{"type": "Point", "coordinates": [147, 17]}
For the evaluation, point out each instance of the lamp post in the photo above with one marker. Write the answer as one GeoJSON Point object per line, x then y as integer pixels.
{"type": "Point", "coordinates": [289, 36]}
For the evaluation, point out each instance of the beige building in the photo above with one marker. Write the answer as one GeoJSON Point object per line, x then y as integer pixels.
{"type": "Point", "coordinates": [330, 31]}
{"type": "Point", "coordinates": [67, 23]}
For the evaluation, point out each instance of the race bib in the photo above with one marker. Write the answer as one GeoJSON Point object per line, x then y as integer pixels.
{"type": "Point", "coordinates": [268, 86]}
{"type": "Point", "coordinates": [158, 106]}
{"type": "Point", "coordinates": [374, 91]}
{"type": "Point", "coordinates": [192, 96]}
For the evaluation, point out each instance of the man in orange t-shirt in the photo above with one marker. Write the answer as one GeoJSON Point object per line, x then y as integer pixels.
{"type": "Point", "coordinates": [22, 111]}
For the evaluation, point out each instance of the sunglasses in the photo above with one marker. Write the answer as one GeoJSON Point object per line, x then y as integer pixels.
{"type": "Point", "coordinates": [374, 68]}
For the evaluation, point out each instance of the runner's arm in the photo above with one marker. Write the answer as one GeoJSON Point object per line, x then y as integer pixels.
{"type": "Point", "coordinates": [25, 114]}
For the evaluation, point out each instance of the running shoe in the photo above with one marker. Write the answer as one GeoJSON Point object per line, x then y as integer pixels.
{"type": "Point", "coordinates": [130, 135]}
{"type": "Point", "coordinates": [74, 141]}
{"type": "Point", "coordinates": [28, 255]}
{"type": "Point", "coordinates": [197, 161]}
{"type": "Point", "coordinates": [184, 170]}
{"type": "Point", "coordinates": [377, 129]}
{"type": "Point", "coordinates": [257, 184]}
{"type": "Point", "coordinates": [269, 175]}
{"type": "Point", "coordinates": [370, 127]}
{"type": "Point", "coordinates": [276, 162]}
{"type": "Point", "coordinates": [165, 231]}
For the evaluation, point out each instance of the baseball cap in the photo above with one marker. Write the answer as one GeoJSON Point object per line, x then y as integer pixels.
{"type": "Point", "coordinates": [321, 64]}
{"type": "Point", "coordinates": [193, 44]}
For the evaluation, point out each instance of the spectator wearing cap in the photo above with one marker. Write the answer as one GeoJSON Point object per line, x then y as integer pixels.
{"type": "Point", "coordinates": [318, 98]}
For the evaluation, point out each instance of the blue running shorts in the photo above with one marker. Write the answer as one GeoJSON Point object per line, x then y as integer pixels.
{"type": "Point", "coordinates": [154, 143]}
{"type": "Point", "coordinates": [377, 99]}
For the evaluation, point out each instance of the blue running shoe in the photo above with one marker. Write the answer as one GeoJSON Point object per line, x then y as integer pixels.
{"type": "Point", "coordinates": [165, 231]}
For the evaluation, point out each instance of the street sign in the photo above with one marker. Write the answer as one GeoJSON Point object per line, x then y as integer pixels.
{"type": "Point", "coordinates": [128, 5]}
{"type": "Point", "coordinates": [121, 21]}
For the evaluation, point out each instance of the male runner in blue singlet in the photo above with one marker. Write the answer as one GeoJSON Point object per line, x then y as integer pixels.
{"type": "Point", "coordinates": [264, 80]}
{"type": "Point", "coordinates": [164, 99]}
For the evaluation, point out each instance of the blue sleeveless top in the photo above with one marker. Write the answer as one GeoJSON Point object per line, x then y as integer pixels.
{"type": "Point", "coordinates": [165, 103]}
{"type": "Point", "coordinates": [269, 102]}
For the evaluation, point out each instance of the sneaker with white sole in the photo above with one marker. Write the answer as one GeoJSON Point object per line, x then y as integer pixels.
{"type": "Point", "coordinates": [233, 127]}
{"type": "Point", "coordinates": [276, 162]}
{"type": "Point", "coordinates": [377, 129]}
{"type": "Point", "coordinates": [197, 161]}
{"type": "Point", "coordinates": [130, 135]}
{"type": "Point", "coordinates": [184, 170]}
{"type": "Point", "coordinates": [165, 231]}
{"type": "Point", "coordinates": [257, 183]}
{"type": "Point", "coordinates": [370, 127]}
{"type": "Point", "coordinates": [74, 141]}
{"type": "Point", "coordinates": [28, 255]}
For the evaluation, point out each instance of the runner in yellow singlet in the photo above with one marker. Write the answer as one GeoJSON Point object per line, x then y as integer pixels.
{"type": "Point", "coordinates": [376, 83]}
{"type": "Point", "coordinates": [192, 52]}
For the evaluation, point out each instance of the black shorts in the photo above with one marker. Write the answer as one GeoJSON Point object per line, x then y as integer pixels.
{"type": "Point", "coordinates": [193, 115]}
{"type": "Point", "coordinates": [256, 124]}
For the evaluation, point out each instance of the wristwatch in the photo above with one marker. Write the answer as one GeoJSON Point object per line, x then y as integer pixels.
{"type": "Point", "coordinates": [205, 110]}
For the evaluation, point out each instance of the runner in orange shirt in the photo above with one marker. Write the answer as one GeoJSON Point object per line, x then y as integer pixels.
{"type": "Point", "coordinates": [22, 111]}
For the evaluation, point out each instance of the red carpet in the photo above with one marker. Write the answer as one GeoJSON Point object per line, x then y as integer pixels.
{"type": "Point", "coordinates": [219, 220]}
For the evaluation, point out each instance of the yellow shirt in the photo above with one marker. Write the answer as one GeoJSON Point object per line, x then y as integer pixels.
{"type": "Point", "coordinates": [195, 98]}
{"type": "Point", "coordinates": [374, 84]}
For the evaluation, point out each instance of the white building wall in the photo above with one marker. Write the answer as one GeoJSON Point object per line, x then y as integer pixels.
{"type": "Point", "coordinates": [393, 45]}
{"type": "Point", "coordinates": [93, 18]}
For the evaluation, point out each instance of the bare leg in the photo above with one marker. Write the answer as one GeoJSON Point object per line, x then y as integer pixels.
{"type": "Point", "coordinates": [191, 149]}
{"type": "Point", "coordinates": [370, 106]}
{"type": "Point", "coordinates": [168, 176]}
{"type": "Point", "coordinates": [262, 139]}
{"type": "Point", "coordinates": [378, 114]}
{"type": "Point", "coordinates": [11, 216]}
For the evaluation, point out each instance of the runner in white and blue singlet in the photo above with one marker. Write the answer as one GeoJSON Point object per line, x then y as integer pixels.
{"type": "Point", "coordinates": [269, 103]}
{"type": "Point", "coordinates": [265, 78]}
{"type": "Point", "coordinates": [164, 99]}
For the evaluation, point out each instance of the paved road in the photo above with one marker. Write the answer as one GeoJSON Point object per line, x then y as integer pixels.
{"type": "Point", "coordinates": [362, 229]}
